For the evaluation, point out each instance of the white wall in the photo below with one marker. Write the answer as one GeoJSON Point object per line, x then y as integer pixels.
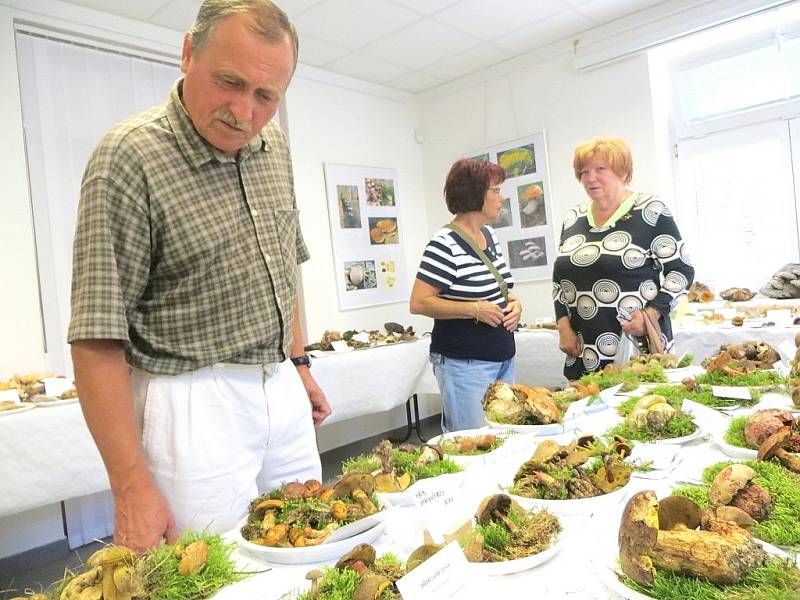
{"type": "Point", "coordinates": [553, 97]}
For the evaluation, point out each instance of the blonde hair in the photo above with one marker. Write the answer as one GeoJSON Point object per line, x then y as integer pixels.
{"type": "Point", "coordinates": [614, 151]}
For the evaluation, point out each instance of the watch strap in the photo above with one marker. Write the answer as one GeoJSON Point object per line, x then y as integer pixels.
{"type": "Point", "coordinates": [301, 360]}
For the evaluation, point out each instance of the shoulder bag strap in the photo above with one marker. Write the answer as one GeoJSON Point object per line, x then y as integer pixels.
{"type": "Point", "coordinates": [482, 255]}
{"type": "Point", "coordinates": [653, 333]}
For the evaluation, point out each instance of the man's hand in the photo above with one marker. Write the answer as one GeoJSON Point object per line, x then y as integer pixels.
{"type": "Point", "coordinates": [141, 517]}
{"type": "Point", "coordinates": [320, 409]}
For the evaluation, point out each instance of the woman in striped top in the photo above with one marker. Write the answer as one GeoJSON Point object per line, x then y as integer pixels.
{"type": "Point", "coordinates": [472, 344]}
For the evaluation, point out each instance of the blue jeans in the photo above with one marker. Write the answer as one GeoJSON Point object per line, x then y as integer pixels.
{"type": "Point", "coordinates": [462, 383]}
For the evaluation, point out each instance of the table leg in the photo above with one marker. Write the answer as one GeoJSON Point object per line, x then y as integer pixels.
{"type": "Point", "coordinates": [411, 425]}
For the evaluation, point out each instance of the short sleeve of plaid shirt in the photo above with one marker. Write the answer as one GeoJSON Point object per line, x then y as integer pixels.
{"type": "Point", "coordinates": [186, 255]}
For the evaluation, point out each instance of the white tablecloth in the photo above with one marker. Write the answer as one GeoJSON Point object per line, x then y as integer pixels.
{"type": "Point", "coordinates": [47, 454]}
{"type": "Point", "coordinates": [364, 382]}
{"type": "Point", "coordinates": [581, 567]}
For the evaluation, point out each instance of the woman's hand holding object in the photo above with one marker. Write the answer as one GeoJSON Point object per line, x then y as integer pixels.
{"type": "Point", "coordinates": [568, 341]}
{"type": "Point", "coordinates": [488, 312]}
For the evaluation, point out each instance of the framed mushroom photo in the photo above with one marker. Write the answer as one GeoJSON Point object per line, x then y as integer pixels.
{"type": "Point", "coordinates": [366, 235]}
{"type": "Point", "coordinates": [525, 223]}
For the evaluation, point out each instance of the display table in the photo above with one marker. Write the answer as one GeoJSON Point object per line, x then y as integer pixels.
{"type": "Point", "coordinates": [540, 362]}
{"type": "Point", "coordinates": [370, 381]}
{"type": "Point", "coordinates": [47, 454]}
{"type": "Point", "coordinates": [589, 543]}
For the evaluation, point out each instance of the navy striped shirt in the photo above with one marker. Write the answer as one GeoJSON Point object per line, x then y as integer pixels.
{"type": "Point", "coordinates": [451, 266]}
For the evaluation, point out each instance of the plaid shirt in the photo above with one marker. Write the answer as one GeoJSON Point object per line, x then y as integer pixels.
{"type": "Point", "coordinates": [185, 254]}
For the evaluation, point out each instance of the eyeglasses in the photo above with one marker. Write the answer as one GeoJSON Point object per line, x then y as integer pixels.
{"type": "Point", "coordinates": [495, 189]}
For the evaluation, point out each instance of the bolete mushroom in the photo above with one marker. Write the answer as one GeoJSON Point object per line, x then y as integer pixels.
{"type": "Point", "coordinates": [678, 512]}
{"type": "Point", "coordinates": [734, 486]}
{"type": "Point", "coordinates": [371, 586]}
{"type": "Point", "coordinates": [420, 555]}
{"type": "Point", "coordinates": [430, 453]}
{"type": "Point", "coordinates": [363, 553]}
{"type": "Point", "coordinates": [350, 482]}
{"type": "Point", "coordinates": [775, 445]}
{"type": "Point", "coordinates": [723, 555]}
{"type": "Point", "coordinates": [496, 508]}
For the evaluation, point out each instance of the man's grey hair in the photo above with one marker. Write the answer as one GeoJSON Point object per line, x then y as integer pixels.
{"type": "Point", "coordinates": [269, 21]}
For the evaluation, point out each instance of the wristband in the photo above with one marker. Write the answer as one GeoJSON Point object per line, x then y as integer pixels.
{"type": "Point", "coordinates": [301, 360]}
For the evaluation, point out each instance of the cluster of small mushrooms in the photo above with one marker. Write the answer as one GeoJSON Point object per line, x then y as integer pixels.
{"type": "Point", "coordinates": [535, 478]}
{"type": "Point", "coordinates": [283, 522]}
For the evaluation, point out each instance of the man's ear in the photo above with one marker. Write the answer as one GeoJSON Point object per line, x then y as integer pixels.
{"type": "Point", "coordinates": [186, 52]}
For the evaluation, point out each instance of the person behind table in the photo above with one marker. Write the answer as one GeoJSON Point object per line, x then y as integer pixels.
{"type": "Point", "coordinates": [184, 296]}
{"type": "Point", "coordinates": [472, 344]}
{"type": "Point", "coordinates": [620, 254]}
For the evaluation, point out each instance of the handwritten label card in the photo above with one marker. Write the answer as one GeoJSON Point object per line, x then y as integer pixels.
{"type": "Point", "coordinates": [340, 346]}
{"type": "Point", "coordinates": [441, 512]}
{"type": "Point", "coordinates": [361, 336]}
{"type": "Point", "coordinates": [12, 395]}
{"type": "Point", "coordinates": [443, 576]}
{"type": "Point", "coordinates": [730, 391]}
{"type": "Point", "coordinates": [55, 386]}
{"type": "Point", "coordinates": [787, 350]}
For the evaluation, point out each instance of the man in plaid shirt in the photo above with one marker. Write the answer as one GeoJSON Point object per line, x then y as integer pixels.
{"type": "Point", "coordinates": [184, 295]}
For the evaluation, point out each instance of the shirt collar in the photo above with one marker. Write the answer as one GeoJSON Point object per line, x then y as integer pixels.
{"type": "Point", "coordinates": [194, 146]}
{"type": "Point", "coordinates": [622, 209]}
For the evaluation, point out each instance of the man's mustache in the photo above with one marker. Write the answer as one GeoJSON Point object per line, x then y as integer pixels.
{"type": "Point", "coordinates": [228, 117]}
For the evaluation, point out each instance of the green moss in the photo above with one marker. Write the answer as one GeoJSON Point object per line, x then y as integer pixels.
{"type": "Point", "coordinates": [777, 580]}
{"type": "Point", "coordinates": [340, 584]}
{"type": "Point", "coordinates": [678, 392]}
{"type": "Point", "coordinates": [734, 435]}
{"type": "Point", "coordinates": [754, 379]}
{"type": "Point", "coordinates": [404, 462]}
{"type": "Point", "coordinates": [679, 426]}
{"type": "Point", "coordinates": [163, 582]}
{"type": "Point", "coordinates": [783, 525]}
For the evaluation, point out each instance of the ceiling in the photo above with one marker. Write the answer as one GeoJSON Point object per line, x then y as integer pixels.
{"type": "Point", "coordinates": [411, 45]}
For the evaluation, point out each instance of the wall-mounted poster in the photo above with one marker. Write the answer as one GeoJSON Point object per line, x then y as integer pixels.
{"type": "Point", "coordinates": [525, 224]}
{"type": "Point", "coordinates": [366, 233]}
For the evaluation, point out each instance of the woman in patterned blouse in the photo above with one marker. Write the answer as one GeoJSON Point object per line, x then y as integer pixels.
{"type": "Point", "coordinates": [620, 254]}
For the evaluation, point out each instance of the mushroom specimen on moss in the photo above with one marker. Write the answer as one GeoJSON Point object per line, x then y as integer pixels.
{"type": "Point", "coordinates": [723, 553]}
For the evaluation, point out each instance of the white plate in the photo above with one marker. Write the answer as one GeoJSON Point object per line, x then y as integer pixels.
{"type": "Point", "coordinates": [307, 554]}
{"type": "Point", "coordinates": [45, 402]}
{"type": "Point", "coordinates": [551, 429]}
{"type": "Point", "coordinates": [580, 506]}
{"type": "Point", "coordinates": [466, 460]}
{"type": "Point", "coordinates": [15, 411]}
{"type": "Point", "coordinates": [609, 570]}
{"type": "Point", "coordinates": [507, 567]}
{"type": "Point", "coordinates": [679, 440]}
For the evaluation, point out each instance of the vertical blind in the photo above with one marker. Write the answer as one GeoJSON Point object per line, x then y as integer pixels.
{"type": "Point", "coordinates": [71, 95]}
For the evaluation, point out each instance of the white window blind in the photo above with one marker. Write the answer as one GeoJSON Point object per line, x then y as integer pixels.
{"type": "Point", "coordinates": [71, 95]}
{"type": "Point", "coordinates": [763, 74]}
{"type": "Point", "coordinates": [736, 201]}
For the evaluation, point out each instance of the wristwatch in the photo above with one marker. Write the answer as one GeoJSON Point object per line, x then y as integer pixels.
{"type": "Point", "coordinates": [301, 360]}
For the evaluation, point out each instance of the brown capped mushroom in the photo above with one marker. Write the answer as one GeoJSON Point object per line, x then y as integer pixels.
{"type": "Point", "coordinates": [363, 553]}
{"type": "Point", "coordinates": [371, 586]}
{"type": "Point", "coordinates": [734, 486]}
{"type": "Point", "coordinates": [430, 453]}
{"type": "Point", "coordinates": [314, 576]}
{"type": "Point", "coordinates": [727, 513]}
{"type": "Point", "coordinates": [354, 481]}
{"type": "Point", "coordinates": [678, 512]}
{"type": "Point", "coordinates": [774, 446]}
{"type": "Point", "coordinates": [496, 508]}
{"type": "Point", "coordinates": [723, 555]}
{"type": "Point", "coordinates": [420, 555]}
